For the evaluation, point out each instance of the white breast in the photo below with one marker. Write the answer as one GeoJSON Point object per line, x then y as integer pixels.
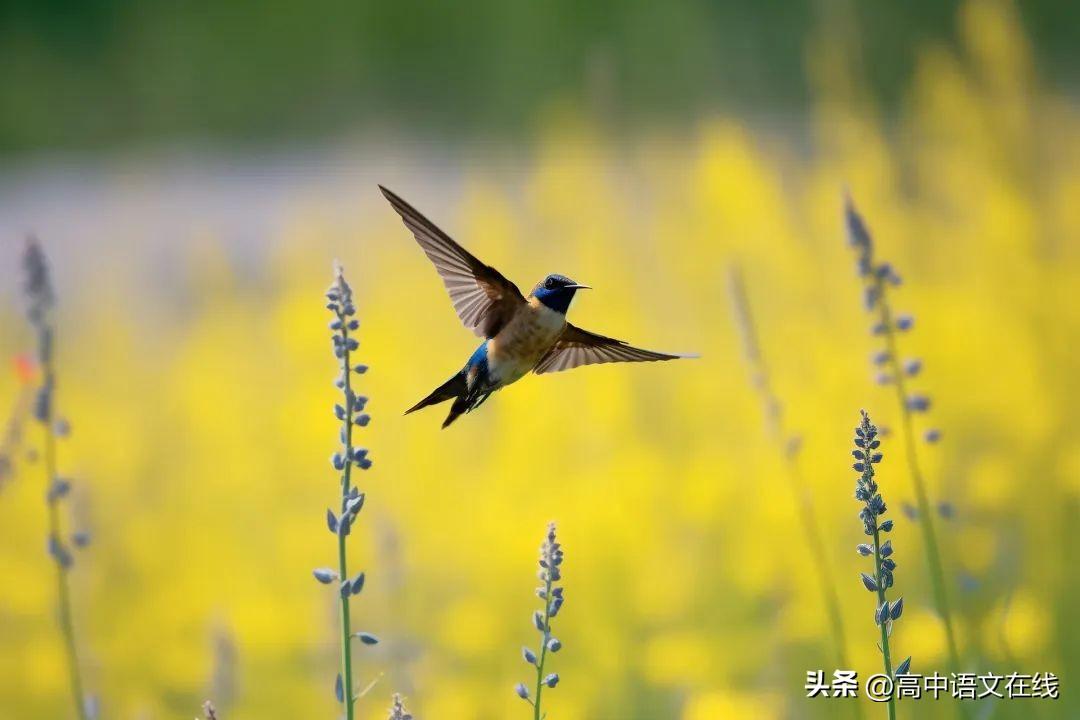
{"type": "Point", "coordinates": [520, 345]}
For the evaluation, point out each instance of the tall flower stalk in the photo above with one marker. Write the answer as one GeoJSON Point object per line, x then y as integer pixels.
{"type": "Point", "coordinates": [879, 278]}
{"type": "Point", "coordinates": [350, 411]}
{"type": "Point", "coordinates": [866, 491]}
{"type": "Point", "coordinates": [787, 447]}
{"type": "Point", "coordinates": [551, 594]}
{"type": "Point", "coordinates": [41, 301]}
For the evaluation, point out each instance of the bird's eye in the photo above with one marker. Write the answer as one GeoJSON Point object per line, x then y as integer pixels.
{"type": "Point", "coordinates": [549, 283]}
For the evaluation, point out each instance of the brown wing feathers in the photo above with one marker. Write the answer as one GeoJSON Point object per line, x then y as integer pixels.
{"type": "Point", "coordinates": [482, 297]}
{"type": "Point", "coordinates": [577, 347]}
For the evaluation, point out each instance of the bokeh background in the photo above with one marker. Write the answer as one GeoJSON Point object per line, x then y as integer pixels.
{"type": "Point", "coordinates": [193, 170]}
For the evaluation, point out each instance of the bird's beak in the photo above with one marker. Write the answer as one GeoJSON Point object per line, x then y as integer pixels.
{"type": "Point", "coordinates": [576, 286]}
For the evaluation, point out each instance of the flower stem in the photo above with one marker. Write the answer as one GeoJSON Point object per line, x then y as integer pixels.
{"type": "Point", "coordinates": [821, 567]}
{"type": "Point", "coordinates": [878, 576]}
{"type": "Point", "coordinates": [346, 624]}
{"type": "Point", "coordinates": [63, 592]}
{"type": "Point", "coordinates": [776, 435]}
{"type": "Point", "coordinates": [926, 517]}
{"type": "Point", "coordinates": [543, 648]}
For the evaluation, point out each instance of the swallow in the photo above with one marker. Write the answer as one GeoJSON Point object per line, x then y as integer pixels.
{"type": "Point", "coordinates": [521, 334]}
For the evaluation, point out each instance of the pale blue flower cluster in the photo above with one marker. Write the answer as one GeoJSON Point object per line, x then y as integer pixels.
{"type": "Point", "coordinates": [877, 278]}
{"type": "Point", "coordinates": [351, 412]}
{"type": "Point", "coordinates": [867, 456]}
{"type": "Point", "coordinates": [551, 594]}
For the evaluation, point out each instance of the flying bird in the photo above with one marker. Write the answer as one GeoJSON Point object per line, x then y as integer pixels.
{"type": "Point", "coordinates": [521, 334]}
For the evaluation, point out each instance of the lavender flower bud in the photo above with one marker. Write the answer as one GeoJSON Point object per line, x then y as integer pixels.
{"type": "Point", "coordinates": [870, 298]}
{"type": "Point", "coordinates": [59, 553]}
{"type": "Point", "coordinates": [918, 403]}
{"type": "Point", "coordinates": [354, 505]}
{"type": "Point", "coordinates": [357, 584]}
{"type": "Point", "coordinates": [43, 404]}
{"type": "Point", "coordinates": [344, 525]}
{"type": "Point", "coordinates": [324, 575]}
{"type": "Point", "coordinates": [59, 489]}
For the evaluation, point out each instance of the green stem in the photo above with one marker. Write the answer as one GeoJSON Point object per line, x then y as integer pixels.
{"type": "Point", "coordinates": [543, 647]}
{"type": "Point", "coordinates": [926, 517]}
{"type": "Point", "coordinates": [775, 433]}
{"type": "Point", "coordinates": [63, 592]}
{"type": "Point", "coordinates": [821, 567]}
{"type": "Point", "coordinates": [343, 571]}
{"type": "Point", "coordinates": [885, 622]}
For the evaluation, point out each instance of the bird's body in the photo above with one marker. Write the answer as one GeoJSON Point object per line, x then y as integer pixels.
{"type": "Point", "coordinates": [515, 351]}
{"type": "Point", "coordinates": [521, 334]}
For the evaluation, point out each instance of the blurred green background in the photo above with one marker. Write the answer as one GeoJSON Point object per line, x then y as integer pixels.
{"type": "Point", "coordinates": [79, 74]}
{"type": "Point", "coordinates": [192, 169]}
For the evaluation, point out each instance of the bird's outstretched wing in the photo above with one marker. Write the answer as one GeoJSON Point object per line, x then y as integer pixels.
{"type": "Point", "coordinates": [577, 347]}
{"type": "Point", "coordinates": [484, 299]}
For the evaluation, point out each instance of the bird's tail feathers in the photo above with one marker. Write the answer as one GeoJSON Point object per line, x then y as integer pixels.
{"type": "Point", "coordinates": [461, 405]}
{"type": "Point", "coordinates": [452, 388]}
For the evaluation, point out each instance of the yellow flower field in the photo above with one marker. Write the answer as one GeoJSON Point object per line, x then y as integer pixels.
{"type": "Point", "coordinates": [199, 391]}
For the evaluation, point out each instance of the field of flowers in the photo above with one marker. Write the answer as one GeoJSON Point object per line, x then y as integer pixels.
{"type": "Point", "coordinates": [197, 378]}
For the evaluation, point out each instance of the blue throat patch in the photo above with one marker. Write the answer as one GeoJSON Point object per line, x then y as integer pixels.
{"type": "Point", "coordinates": [557, 299]}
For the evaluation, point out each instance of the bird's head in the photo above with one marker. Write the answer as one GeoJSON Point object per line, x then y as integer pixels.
{"type": "Point", "coordinates": [556, 292]}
